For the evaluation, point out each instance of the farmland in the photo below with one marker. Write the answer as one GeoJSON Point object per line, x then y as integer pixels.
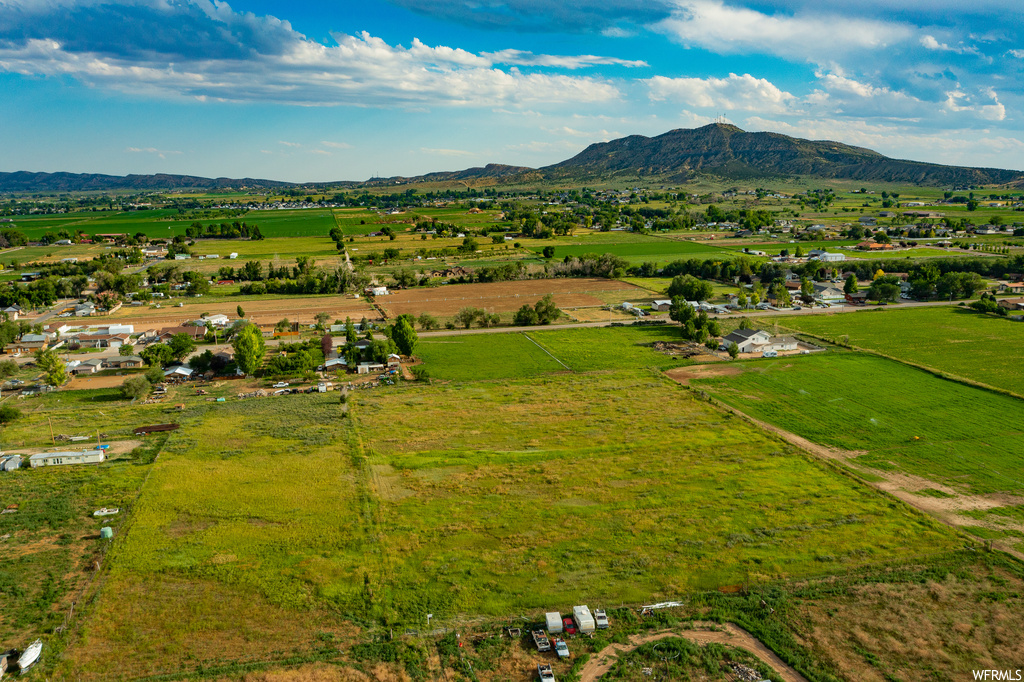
{"type": "Point", "coordinates": [652, 249]}
{"type": "Point", "coordinates": [944, 438]}
{"type": "Point", "coordinates": [507, 297]}
{"type": "Point", "coordinates": [433, 499]}
{"type": "Point", "coordinates": [959, 342]}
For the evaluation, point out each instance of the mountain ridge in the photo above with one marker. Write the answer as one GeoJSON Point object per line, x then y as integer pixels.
{"type": "Point", "coordinates": [717, 149]}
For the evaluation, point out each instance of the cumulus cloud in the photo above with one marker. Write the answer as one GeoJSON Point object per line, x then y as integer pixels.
{"type": "Point", "coordinates": [522, 58]}
{"type": "Point", "coordinates": [207, 51]}
{"type": "Point", "coordinates": [842, 95]}
{"type": "Point", "coordinates": [816, 37]}
{"type": "Point", "coordinates": [959, 147]}
{"type": "Point", "coordinates": [734, 92]}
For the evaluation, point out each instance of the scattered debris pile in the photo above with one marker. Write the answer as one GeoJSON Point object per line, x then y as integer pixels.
{"type": "Point", "coordinates": [746, 673]}
{"type": "Point", "coordinates": [685, 350]}
{"type": "Point", "coordinates": [258, 393]}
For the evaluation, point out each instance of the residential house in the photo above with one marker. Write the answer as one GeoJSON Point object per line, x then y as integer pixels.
{"type": "Point", "coordinates": [1012, 287]}
{"type": "Point", "coordinates": [746, 340]}
{"type": "Point", "coordinates": [90, 366]}
{"type": "Point", "coordinates": [369, 367]}
{"type": "Point", "coordinates": [83, 309]}
{"type": "Point", "coordinates": [29, 343]}
{"type": "Point", "coordinates": [826, 292]}
{"type": "Point", "coordinates": [195, 332]}
{"type": "Point", "coordinates": [12, 311]}
{"type": "Point", "coordinates": [45, 459]}
{"type": "Point", "coordinates": [1012, 303]}
{"type": "Point", "coordinates": [102, 340]}
{"type": "Point", "coordinates": [661, 305]}
{"type": "Point", "coordinates": [394, 361]}
{"type": "Point", "coordinates": [126, 362]}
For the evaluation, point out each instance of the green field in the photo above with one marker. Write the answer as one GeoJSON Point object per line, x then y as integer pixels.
{"type": "Point", "coordinates": [586, 350]}
{"type": "Point", "coordinates": [902, 418]}
{"type": "Point", "coordinates": [634, 251]}
{"type": "Point", "coordinates": [950, 339]}
{"type": "Point", "coordinates": [282, 518]}
{"type": "Point", "coordinates": [484, 356]}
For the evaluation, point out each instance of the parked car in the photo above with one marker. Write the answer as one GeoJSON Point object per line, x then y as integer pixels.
{"type": "Point", "coordinates": [281, 384]}
{"type": "Point", "coordinates": [569, 626]}
{"type": "Point", "coordinates": [561, 648]}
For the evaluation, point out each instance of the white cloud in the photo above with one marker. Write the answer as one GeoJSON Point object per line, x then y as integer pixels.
{"type": "Point", "coordinates": [289, 144]}
{"type": "Point", "coordinates": [932, 43]}
{"type": "Point", "coordinates": [815, 37]}
{"type": "Point", "coordinates": [734, 92]}
{"type": "Point", "coordinates": [958, 147]}
{"type": "Point", "coordinates": [336, 145]}
{"type": "Point", "coordinates": [321, 152]}
{"type": "Point", "coordinates": [521, 58]}
{"type": "Point", "coordinates": [162, 153]}
{"type": "Point", "coordinates": [1019, 54]}
{"type": "Point", "coordinates": [247, 58]}
{"type": "Point", "coordinates": [446, 152]}
{"type": "Point", "coordinates": [959, 101]}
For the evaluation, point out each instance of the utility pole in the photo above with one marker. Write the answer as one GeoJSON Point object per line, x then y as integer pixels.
{"type": "Point", "coordinates": [52, 439]}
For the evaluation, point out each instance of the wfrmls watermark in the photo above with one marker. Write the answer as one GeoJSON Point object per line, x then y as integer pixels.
{"type": "Point", "coordinates": [998, 674]}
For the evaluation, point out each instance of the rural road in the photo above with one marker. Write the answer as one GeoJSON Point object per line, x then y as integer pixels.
{"type": "Point", "coordinates": [602, 662]}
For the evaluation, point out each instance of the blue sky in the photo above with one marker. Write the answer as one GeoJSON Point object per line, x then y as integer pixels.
{"type": "Point", "coordinates": [318, 91]}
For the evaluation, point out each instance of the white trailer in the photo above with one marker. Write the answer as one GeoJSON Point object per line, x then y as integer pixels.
{"type": "Point", "coordinates": [554, 621]}
{"type": "Point", "coordinates": [584, 621]}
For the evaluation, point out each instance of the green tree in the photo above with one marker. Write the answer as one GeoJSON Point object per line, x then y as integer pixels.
{"type": "Point", "coordinates": [850, 287]}
{"type": "Point", "coordinates": [548, 252]}
{"type": "Point", "coordinates": [8, 368]}
{"type": "Point", "coordinates": [126, 350]}
{"type": "Point", "coordinates": [690, 288]}
{"type": "Point", "coordinates": [181, 344]}
{"type": "Point", "coordinates": [546, 309]}
{"type": "Point", "coordinates": [350, 332]}
{"type": "Point", "coordinates": [467, 316]}
{"type": "Point", "coordinates": [404, 336]}
{"type": "Point", "coordinates": [157, 355]}
{"type": "Point", "coordinates": [241, 313]}
{"type": "Point", "coordinates": [321, 319]}
{"type": "Point", "coordinates": [249, 348]}
{"type": "Point", "coordinates": [53, 367]}
{"type": "Point", "coordinates": [8, 414]}
{"type": "Point", "coordinates": [526, 316]}
{"type": "Point", "coordinates": [282, 325]}
{"type": "Point", "coordinates": [135, 387]}
{"type": "Point", "coordinates": [427, 322]}
{"type": "Point", "coordinates": [733, 350]}
{"type": "Point", "coordinates": [203, 362]}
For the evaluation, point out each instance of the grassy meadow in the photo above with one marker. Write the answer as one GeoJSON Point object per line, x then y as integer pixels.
{"type": "Point", "coordinates": [953, 340]}
{"type": "Point", "coordinates": [282, 519]}
{"type": "Point", "coordinates": [901, 418]}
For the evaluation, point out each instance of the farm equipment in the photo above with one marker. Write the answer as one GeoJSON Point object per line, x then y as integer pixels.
{"type": "Point", "coordinates": [541, 640]}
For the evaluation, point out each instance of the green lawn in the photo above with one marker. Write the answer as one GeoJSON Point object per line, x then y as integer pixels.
{"type": "Point", "coordinates": [904, 418]}
{"type": "Point", "coordinates": [586, 350]}
{"type": "Point", "coordinates": [951, 339]}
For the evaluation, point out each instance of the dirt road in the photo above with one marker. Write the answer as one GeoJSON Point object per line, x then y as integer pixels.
{"type": "Point", "coordinates": [601, 662]}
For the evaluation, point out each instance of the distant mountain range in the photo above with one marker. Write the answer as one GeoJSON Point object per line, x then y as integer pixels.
{"type": "Point", "coordinates": [718, 149]}
{"type": "Point", "coordinates": [23, 181]}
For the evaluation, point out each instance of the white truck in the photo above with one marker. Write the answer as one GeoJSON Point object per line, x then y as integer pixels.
{"type": "Point", "coordinates": [601, 619]}
{"type": "Point", "coordinates": [544, 673]}
{"type": "Point", "coordinates": [554, 621]}
{"type": "Point", "coordinates": [584, 621]}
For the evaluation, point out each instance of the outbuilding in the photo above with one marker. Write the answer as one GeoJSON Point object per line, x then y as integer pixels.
{"type": "Point", "coordinates": [10, 462]}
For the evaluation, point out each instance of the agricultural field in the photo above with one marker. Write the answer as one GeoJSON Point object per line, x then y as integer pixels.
{"type": "Point", "coordinates": [471, 357]}
{"type": "Point", "coordinates": [507, 297]}
{"type": "Point", "coordinates": [930, 437]}
{"type": "Point", "coordinates": [285, 523]}
{"type": "Point", "coordinates": [594, 349]}
{"type": "Point", "coordinates": [953, 340]}
{"type": "Point", "coordinates": [653, 249]}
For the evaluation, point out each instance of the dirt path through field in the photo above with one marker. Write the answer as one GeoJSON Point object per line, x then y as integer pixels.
{"type": "Point", "coordinates": [602, 662]}
{"type": "Point", "coordinates": [905, 487]}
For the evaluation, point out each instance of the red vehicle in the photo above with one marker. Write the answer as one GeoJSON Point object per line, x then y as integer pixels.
{"type": "Point", "coordinates": [568, 626]}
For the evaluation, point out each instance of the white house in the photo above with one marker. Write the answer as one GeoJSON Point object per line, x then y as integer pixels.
{"type": "Point", "coordinates": [48, 459]}
{"type": "Point", "coordinates": [746, 340]}
{"type": "Point", "coordinates": [179, 372]}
